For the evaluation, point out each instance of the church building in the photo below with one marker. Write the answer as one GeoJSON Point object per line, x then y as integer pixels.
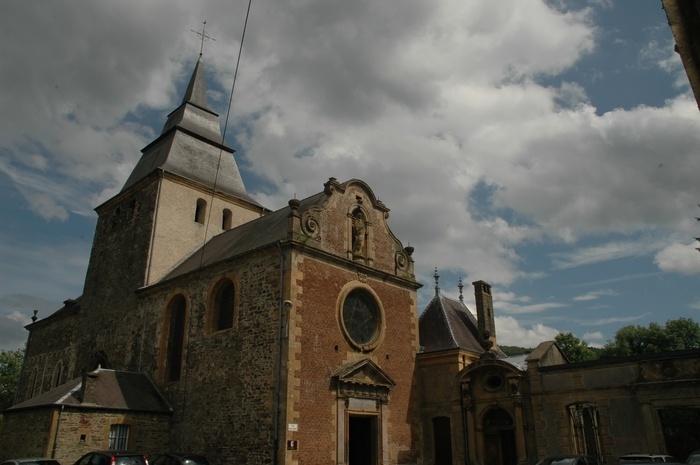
{"type": "Point", "coordinates": [210, 324]}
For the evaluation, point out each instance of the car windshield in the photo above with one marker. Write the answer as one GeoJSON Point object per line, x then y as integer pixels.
{"type": "Point", "coordinates": [129, 460]}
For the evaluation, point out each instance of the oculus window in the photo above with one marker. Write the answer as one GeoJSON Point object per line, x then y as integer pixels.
{"type": "Point", "coordinates": [361, 319]}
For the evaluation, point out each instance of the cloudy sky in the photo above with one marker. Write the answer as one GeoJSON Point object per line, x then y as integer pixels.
{"type": "Point", "coordinates": [547, 147]}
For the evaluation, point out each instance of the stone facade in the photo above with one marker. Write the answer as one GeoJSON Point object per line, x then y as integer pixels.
{"type": "Point", "coordinates": [637, 404]}
{"type": "Point", "coordinates": [67, 434]}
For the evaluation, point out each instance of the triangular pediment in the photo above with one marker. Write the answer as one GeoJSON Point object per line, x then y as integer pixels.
{"type": "Point", "coordinates": [364, 379]}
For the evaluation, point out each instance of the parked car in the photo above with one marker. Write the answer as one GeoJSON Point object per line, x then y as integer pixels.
{"type": "Point", "coordinates": [693, 458]}
{"type": "Point", "coordinates": [647, 458]}
{"type": "Point", "coordinates": [112, 457]}
{"type": "Point", "coordinates": [31, 461]}
{"type": "Point", "coordinates": [569, 460]}
{"type": "Point", "coordinates": [180, 459]}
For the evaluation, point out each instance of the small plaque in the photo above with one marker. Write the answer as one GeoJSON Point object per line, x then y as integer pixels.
{"type": "Point", "coordinates": [293, 427]}
{"type": "Point", "coordinates": [292, 444]}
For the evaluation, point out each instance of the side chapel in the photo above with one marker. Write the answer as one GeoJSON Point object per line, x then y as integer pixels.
{"type": "Point", "coordinates": [210, 324]}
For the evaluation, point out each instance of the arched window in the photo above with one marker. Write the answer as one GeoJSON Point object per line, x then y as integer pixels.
{"type": "Point", "coordinates": [226, 219]}
{"type": "Point", "coordinates": [224, 305]}
{"type": "Point", "coordinates": [200, 211]}
{"type": "Point", "coordinates": [176, 335]}
{"type": "Point", "coordinates": [57, 374]}
{"type": "Point", "coordinates": [584, 428]}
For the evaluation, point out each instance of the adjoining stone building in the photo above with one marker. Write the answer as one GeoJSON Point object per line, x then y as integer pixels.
{"type": "Point", "coordinates": [478, 406]}
{"type": "Point", "coordinates": [211, 324]}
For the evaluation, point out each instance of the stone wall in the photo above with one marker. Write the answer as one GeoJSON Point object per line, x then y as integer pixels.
{"type": "Point", "coordinates": [628, 395]}
{"type": "Point", "coordinates": [223, 400]}
{"type": "Point", "coordinates": [68, 434]}
{"type": "Point", "coordinates": [17, 440]}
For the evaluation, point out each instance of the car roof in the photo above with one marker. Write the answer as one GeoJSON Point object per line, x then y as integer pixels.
{"type": "Point", "coordinates": [29, 459]}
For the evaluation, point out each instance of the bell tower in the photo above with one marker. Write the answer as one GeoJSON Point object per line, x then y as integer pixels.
{"type": "Point", "coordinates": [185, 189]}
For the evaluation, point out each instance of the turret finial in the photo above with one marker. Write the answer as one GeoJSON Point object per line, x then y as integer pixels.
{"type": "Point", "coordinates": [461, 287]}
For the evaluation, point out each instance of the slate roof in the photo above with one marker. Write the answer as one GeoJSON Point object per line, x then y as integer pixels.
{"type": "Point", "coordinates": [259, 233]}
{"type": "Point", "coordinates": [191, 146]}
{"type": "Point", "coordinates": [115, 390]}
{"type": "Point", "coordinates": [448, 324]}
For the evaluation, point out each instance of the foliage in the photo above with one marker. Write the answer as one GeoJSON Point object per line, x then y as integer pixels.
{"type": "Point", "coordinates": [10, 368]}
{"type": "Point", "coordinates": [511, 351]}
{"type": "Point", "coordinates": [680, 334]}
{"type": "Point", "coordinates": [575, 349]}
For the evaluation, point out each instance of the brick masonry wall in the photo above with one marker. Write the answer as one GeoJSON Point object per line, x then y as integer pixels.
{"type": "Point", "coordinates": [319, 349]}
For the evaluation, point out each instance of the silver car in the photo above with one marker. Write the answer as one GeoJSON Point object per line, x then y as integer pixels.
{"type": "Point", "coordinates": [31, 461]}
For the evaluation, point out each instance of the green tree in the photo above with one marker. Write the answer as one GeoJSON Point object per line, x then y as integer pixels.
{"type": "Point", "coordinates": [683, 333]}
{"type": "Point", "coordinates": [680, 334]}
{"type": "Point", "coordinates": [575, 349]}
{"type": "Point", "coordinates": [10, 368]}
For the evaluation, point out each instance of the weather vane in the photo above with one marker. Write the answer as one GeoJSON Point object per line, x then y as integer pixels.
{"type": "Point", "coordinates": [204, 36]}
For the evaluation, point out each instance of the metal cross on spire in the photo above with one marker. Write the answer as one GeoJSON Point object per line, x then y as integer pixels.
{"type": "Point", "coordinates": [437, 279]}
{"type": "Point", "coordinates": [203, 35]}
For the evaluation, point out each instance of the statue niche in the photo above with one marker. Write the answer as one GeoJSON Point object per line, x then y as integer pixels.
{"type": "Point", "coordinates": [359, 234]}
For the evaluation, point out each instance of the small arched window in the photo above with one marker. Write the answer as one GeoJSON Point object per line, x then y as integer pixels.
{"type": "Point", "coordinates": [224, 305]}
{"type": "Point", "coordinates": [200, 211]}
{"type": "Point", "coordinates": [226, 219]}
{"type": "Point", "coordinates": [34, 383]}
{"type": "Point", "coordinates": [176, 335]}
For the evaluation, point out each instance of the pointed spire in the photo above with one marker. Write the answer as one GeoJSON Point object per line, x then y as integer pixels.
{"type": "Point", "coordinates": [196, 93]}
{"type": "Point", "coordinates": [437, 279]}
{"type": "Point", "coordinates": [191, 146]}
{"type": "Point", "coordinates": [461, 288]}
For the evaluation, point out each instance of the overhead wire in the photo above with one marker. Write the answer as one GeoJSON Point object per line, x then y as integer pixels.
{"type": "Point", "coordinates": [223, 134]}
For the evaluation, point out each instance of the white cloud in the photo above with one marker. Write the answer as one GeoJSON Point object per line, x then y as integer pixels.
{"type": "Point", "coordinates": [679, 258]}
{"type": "Point", "coordinates": [510, 333]}
{"type": "Point", "coordinates": [596, 336]}
{"type": "Point", "coordinates": [611, 320]}
{"type": "Point", "coordinates": [594, 295]}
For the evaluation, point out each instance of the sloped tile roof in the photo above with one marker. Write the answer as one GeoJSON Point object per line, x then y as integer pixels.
{"type": "Point", "coordinates": [115, 390]}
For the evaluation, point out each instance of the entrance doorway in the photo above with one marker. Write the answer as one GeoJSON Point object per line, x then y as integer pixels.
{"type": "Point", "coordinates": [499, 438]}
{"type": "Point", "coordinates": [442, 441]}
{"type": "Point", "coordinates": [362, 440]}
{"type": "Point", "coordinates": [681, 427]}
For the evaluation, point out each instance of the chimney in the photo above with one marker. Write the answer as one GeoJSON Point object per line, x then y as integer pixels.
{"type": "Point", "coordinates": [89, 389]}
{"type": "Point", "coordinates": [484, 314]}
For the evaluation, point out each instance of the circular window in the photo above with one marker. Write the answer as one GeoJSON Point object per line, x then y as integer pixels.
{"type": "Point", "coordinates": [493, 382]}
{"type": "Point", "coordinates": [361, 319]}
